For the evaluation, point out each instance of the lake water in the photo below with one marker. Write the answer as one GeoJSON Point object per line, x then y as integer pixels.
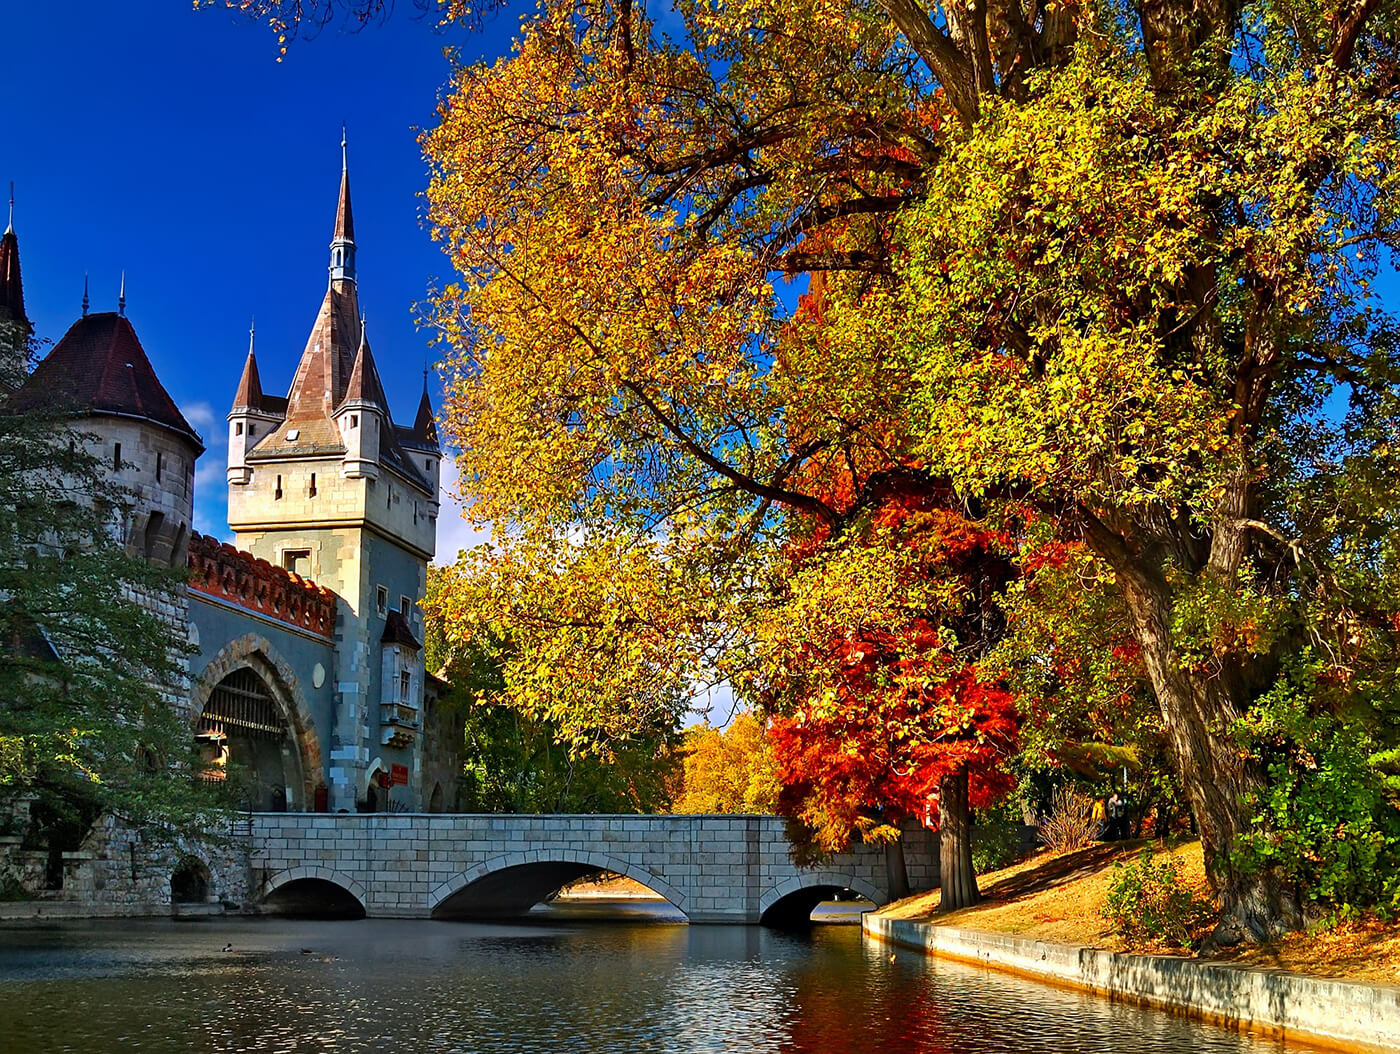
{"type": "Point", "coordinates": [558, 982]}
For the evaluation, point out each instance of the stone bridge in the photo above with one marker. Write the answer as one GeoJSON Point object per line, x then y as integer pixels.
{"type": "Point", "coordinates": [734, 869]}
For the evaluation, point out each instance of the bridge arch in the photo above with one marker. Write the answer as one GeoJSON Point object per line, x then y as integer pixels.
{"type": "Point", "coordinates": [790, 902]}
{"type": "Point", "coordinates": [513, 883]}
{"type": "Point", "coordinates": [313, 891]}
{"type": "Point", "coordinates": [254, 652]}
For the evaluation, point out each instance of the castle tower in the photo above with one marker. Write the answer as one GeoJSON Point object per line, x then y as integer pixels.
{"type": "Point", "coordinates": [326, 485]}
{"type": "Point", "coordinates": [100, 373]}
{"type": "Point", "coordinates": [15, 327]}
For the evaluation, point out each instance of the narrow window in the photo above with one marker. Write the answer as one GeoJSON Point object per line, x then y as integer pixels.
{"type": "Point", "coordinates": [278, 492]}
{"type": "Point", "coordinates": [405, 606]}
{"type": "Point", "coordinates": [160, 465]}
{"type": "Point", "coordinates": [153, 526]}
{"type": "Point", "coordinates": [297, 561]}
{"type": "Point", "coordinates": [117, 457]}
{"type": "Point", "coordinates": [427, 465]}
{"type": "Point", "coordinates": [388, 497]}
{"type": "Point", "coordinates": [312, 490]}
{"type": "Point", "coordinates": [354, 420]}
{"type": "Point", "coordinates": [381, 600]}
{"type": "Point", "coordinates": [406, 687]}
{"type": "Point", "coordinates": [238, 428]}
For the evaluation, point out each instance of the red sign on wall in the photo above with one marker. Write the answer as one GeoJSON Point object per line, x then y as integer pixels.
{"type": "Point", "coordinates": [398, 775]}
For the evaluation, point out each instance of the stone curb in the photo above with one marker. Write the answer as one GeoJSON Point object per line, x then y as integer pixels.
{"type": "Point", "coordinates": [1340, 1014]}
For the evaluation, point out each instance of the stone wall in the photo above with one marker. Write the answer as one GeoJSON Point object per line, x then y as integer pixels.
{"type": "Point", "coordinates": [119, 872]}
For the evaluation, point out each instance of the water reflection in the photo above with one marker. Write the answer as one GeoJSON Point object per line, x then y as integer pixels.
{"type": "Point", "coordinates": [553, 984]}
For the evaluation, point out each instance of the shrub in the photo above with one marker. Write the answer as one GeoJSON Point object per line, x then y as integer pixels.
{"type": "Point", "coordinates": [996, 843]}
{"type": "Point", "coordinates": [1070, 824]}
{"type": "Point", "coordinates": [1149, 900]}
{"type": "Point", "coordinates": [1327, 818]}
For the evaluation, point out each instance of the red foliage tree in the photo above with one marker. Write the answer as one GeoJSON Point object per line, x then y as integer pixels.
{"type": "Point", "coordinates": [890, 720]}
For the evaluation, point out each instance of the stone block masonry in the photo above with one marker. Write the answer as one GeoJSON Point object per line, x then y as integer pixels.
{"type": "Point", "coordinates": [731, 869]}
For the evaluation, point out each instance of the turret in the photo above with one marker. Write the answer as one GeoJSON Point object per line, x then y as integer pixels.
{"type": "Point", "coordinates": [248, 422]}
{"type": "Point", "coordinates": [362, 416]}
{"type": "Point", "coordinates": [423, 446]}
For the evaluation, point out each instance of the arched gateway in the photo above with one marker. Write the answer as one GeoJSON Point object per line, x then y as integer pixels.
{"type": "Point", "coordinates": [250, 718]}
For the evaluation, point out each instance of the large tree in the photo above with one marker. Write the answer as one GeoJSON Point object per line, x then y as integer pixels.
{"type": "Point", "coordinates": [1107, 260]}
{"type": "Point", "coordinates": [88, 671]}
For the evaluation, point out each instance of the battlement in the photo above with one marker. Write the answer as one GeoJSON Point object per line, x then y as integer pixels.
{"type": "Point", "coordinates": [219, 570]}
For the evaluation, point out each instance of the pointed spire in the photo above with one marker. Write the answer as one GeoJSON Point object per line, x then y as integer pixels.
{"type": "Point", "coordinates": [249, 395]}
{"type": "Point", "coordinates": [343, 238]}
{"type": "Point", "coordinates": [121, 297]}
{"type": "Point", "coordinates": [11, 286]}
{"type": "Point", "coordinates": [85, 294]}
{"type": "Point", "coordinates": [364, 386]}
{"type": "Point", "coordinates": [424, 425]}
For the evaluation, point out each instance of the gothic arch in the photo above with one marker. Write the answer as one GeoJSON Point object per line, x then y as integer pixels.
{"type": "Point", "coordinates": [255, 652]}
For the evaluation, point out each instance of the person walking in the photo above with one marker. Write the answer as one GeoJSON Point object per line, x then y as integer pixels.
{"type": "Point", "coordinates": [1117, 818]}
{"type": "Point", "coordinates": [1099, 820]}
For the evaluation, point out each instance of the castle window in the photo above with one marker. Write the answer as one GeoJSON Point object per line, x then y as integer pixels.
{"type": "Point", "coordinates": [153, 526]}
{"type": "Point", "coordinates": [278, 492]}
{"type": "Point", "coordinates": [117, 457]}
{"type": "Point", "coordinates": [293, 434]}
{"type": "Point", "coordinates": [405, 607]}
{"type": "Point", "coordinates": [312, 489]}
{"type": "Point", "coordinates": [160, 464]}
{"type": "Point", "coordinates": [405, 687]}
{"type": "Point", "coordinates": [238, 428]}
{"type": "Point", "coordinates": [297, 561]}
{"type": "Point", "coordinates": [381, 600]}
{"type": "Point", "coordinates": [354, 420]}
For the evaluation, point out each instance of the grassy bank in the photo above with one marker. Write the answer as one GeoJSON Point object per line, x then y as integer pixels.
{"type": "Point", "coordinates": [1059, 898]}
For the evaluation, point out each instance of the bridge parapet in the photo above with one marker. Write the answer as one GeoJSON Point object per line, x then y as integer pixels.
{"type": "Point", "coordinates": [735, 869]}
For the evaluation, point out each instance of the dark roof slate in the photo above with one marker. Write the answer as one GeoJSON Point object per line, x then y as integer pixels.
{"type": "Point", "coordinates": [99, 367]}
{"type": "Point", "coordinates": [397, 631]}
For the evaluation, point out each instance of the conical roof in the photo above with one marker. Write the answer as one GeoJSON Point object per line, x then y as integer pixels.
{"type": "Point", "coordinates": [424, 426]}
{"type": "Point", "coordinates": [99, 367]}
{"type": "Point", "coordinates": [11, 285]}
{"type": "Point", "coordinates": [250, 394]}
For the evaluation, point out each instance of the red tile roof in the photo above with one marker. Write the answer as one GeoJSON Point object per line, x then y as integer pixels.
{"type": "Point", "coordinates": [344, 220]}
{"type": "Point", "coordinates": [250, 394]}
{"type": "Point", "coordinates": [99, 367]}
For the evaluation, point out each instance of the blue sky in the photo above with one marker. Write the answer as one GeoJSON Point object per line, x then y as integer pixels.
{"type": "Point", "coordinates": [170, 143]}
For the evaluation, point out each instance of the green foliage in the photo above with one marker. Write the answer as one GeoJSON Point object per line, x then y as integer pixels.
{"type": "Point", "coordinates": [996, 838]}
{"type": "Point", "coordinates": [87, 675]}
{"type": "Point", "coordinates": [1329, 817]}
{"type": "Point", "coordinates": [513, 762]}
{"type": "Point", "coordinates": [1149, 900]}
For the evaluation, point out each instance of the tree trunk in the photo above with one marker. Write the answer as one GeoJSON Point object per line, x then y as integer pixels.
{"type": "Point", "coordinates": [896, 873]}
{"type": "Point", "coordinates": [957, 878]}
{"type": "Point", "coordinates": [1198, 712]}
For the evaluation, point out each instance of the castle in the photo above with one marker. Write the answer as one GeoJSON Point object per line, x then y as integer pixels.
{"type": "Point", "coordinates": [307, 664]}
